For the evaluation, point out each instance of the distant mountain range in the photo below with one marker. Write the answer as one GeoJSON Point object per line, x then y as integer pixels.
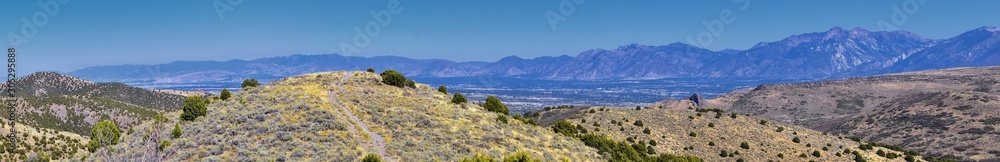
{"type": "Point", "coordinates": [836, 53]}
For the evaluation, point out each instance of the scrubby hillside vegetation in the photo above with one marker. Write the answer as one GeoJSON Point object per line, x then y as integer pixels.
{"type": "Point", "coordinates": [65, 103]}
{"type": "Point", "coordinates": [951, 113]}
{"type": "Point", "coordinates": [713, 135]}
{"type": "Point", "coordinates": [38, 143]}
{"type": "Point", "coordinates": [342, 116]}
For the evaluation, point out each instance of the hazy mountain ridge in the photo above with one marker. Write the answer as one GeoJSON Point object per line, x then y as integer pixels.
{"type": "Point", "coordinates": [951, 112]}
{"type": "Point", "coordinates": [65, 103]}
{"type": "Point", "coordinates": [835, 53]}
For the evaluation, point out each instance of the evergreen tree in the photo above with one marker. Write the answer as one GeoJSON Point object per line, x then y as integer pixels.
{"type": "Point", "coordinates": [225, 94]}
{"type": "Point", "coordinates": [493, 104]}
{"type": "Point", "coordinates": [193, 108]}
{"type": "Point", "coordinates": [371, 70]}
{"type": "Point", "coordinates": [250, 83]}
{"type": "Point", "coordinates": [443, 89]}
{"type": "Point", "coordinates": [177, 131]}
{"type": "Point", "coordinates": [458, 98]}
{"type": "Point", "coordinates": [393, 78]}
{"type": "Point", "coordinates": [105, 133]}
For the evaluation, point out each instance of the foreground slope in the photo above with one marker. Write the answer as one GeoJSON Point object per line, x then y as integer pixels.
{"type": "Point", "coordinates": [65, 103]}
{"type": "Point", "coordinates": [342, 116]}
{"type": "Point", "coordinates": [34, 143]}
{"type": "Point", "coordinates": [703, 134]}
{"type": "Point", "coordinates": [951, 113]}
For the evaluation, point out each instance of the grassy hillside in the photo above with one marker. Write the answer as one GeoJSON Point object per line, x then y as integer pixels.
{"type": "Point", "coordinates": [65, 103]}
{"type": "Point", "coordinates": [689, 132]}
{"type": "Point", "coordinates": [342, 116]}
{"type": "Point", "coordinates": [951, 113]}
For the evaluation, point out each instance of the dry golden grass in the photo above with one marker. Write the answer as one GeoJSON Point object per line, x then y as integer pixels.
{"type": "Point", "coordinates": [938, 112]}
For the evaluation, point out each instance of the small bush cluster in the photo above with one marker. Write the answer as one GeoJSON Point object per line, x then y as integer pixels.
{"type": "Point", "coordinates": [623, 151]}
{"type": "Point", "coordinates": [564, 127]}
{"type": "Point", "coordinates": [250, 83]}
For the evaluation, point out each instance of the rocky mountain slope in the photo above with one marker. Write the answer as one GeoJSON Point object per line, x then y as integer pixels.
{"type": "Point", "coordinates": [65, 103]}
{"type": "Point", "coordinates": [715, 135]}
{"type": "Point", "coordinates": [835, 53]}
{"type": "Point", "coordinates": [342, 116]}
{"type": "Point", "coordinates": [951, 113]}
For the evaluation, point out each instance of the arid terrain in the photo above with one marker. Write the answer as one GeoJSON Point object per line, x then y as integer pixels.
{"type": "Point", "coordinates": [949, 113]}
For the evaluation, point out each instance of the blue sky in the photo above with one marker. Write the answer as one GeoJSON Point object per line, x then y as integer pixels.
{"type": "Point", "coordinates": [113, 32]}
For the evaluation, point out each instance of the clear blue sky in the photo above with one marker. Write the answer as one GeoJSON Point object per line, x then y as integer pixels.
{"type": "Point", "coordinates": [113, 32]}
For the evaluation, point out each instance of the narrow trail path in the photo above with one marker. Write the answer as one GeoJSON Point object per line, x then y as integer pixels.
{"type": "Point", "coordinates": [376, 142]}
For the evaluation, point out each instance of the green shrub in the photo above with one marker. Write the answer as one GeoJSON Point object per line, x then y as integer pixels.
{"type": "Point", "coordinates": [193, 108]}
{"type": "Point", "coordinates": [803, 155]}
{"type": "Point", "coordinates": [781, 155]}
{"type": "Point", "coordinates": [796, 140]}
{"type": "Point", "coordinates": [493, 104]}
{"type": "Point", "coordinates": [520, 156]}
{"type": "Point", "coordinates": [711, 125]}
{"type": "Point", "coordinates": [458, 98]}
{"type": "Point", "coordinates": [652, 142]}
{"type": "Point", "coordinates": [710, 143]}
{"type": "Point", "coordinates": [502, 118]}
{"type": "Point", "coordinates": [225, 94]}
{"type": "Point", "coordinates": [394, 78]}
{"type": "Point", "coordinates": [763, 122]}
{"type": "Point", "coordinates": [692, 134]}
{"type": "Point", "coordinates": [443, 89]}
{"type": "Point", "coordinates": [724, 153]}
{"type": "Point", "coordinates": [780, 129]}
{"type": "Point", "coordinates": [733, 116]}
{"type": "Point", "coordinates": [163, 145]}
{"type": "Point", "coordinates": [564, 127]}
{"type": "Point", "coordinates": [858, 157]}
{"type": "Point", "coordinates": [372, 158]}
{"type": "Point", "coordinates": [880, 153]}
{"type": "Point", "coordinates": [866, 146]}
{"type": "Point", "coordinates": [177, 131]}
{"type": "Point", "coordinates": [371, 70]}
{"type": "Point", "coordinates": [638, 108]}
{"type": "Point", "coordinates": [592, 111]}
{"type": "Point", "coordinates": [816, 154]}
{"type": "Point", "coordinates": [104, 133]}
{"type": "Point", "coordinates": [411, 83]}
{"type": "Point", "coordinates": [478, 158]}
{"type": "Point", "coordinates": [646, 131]}
{"type": "Point", "coordinates": [250, 83]}
{"type": "Point", "coordinates": [638, 123]}
{"type": "Point", "coordinates": [744, 145]}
